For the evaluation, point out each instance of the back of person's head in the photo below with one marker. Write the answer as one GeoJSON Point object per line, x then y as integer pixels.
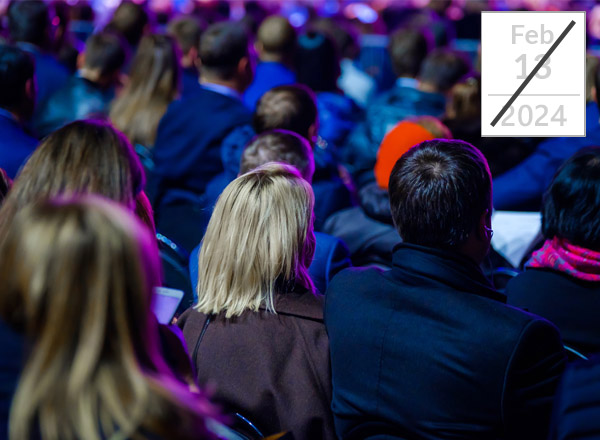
{"type": "Point", "coordinates": [222, 46]}
{"type": "Point", "coordinates": [402, 138]}
{"type": "Point", "coordinates": [591, 65]}
{"type": "Point", "coordinates": [84, 157]}
{"type": "Point", "coordinates": [104, 53]}
{"type": "Point", "coordinates": [17, 85]}
{"type": "Point", "coordinates": [187, 31]}
{"type": "Point", "coordinates": [341, 32]}
{"type": "Point", "coordinates": [291, 107]}
{"type": "Point", "coordinates": [442, 69]}
{"type": "Point", "coordinates": [317, 62]}
{"type": "Point", "coordinates": [407, 48]}
{"type": "Point", "coordinates": [29, 21]}
{"type": "Point", "coordinates": [76, 274]}
{"type": "Point", "coordinates": [279, 146]}
{"type": "Point", "coordinates": [597, 85]}
{"type": "Point", "coordinates": [464, 101]}
{"type": "Point", "coordinates": [129, 20]}
{"type": "Point", "coordinates": [259, 242]}
{"type": "Point", "coordinates": [439, 191]}
{"type": "Point", "coordinates": [276, 38]}
{"type": "Point", "coordinates": [571, 208]}
{"type": "Point", "coordinates": [153, 83]}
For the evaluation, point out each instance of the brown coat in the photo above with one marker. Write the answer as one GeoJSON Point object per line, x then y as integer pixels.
{"type": "Point", "coordinates": [272, 368]}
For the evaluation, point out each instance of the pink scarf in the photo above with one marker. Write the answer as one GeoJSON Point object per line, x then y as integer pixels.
{"type": "Point", "coordinates": [560, 255]}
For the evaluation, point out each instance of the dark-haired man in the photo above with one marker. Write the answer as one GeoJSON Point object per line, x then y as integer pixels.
{"type": "Point", "coordinates": [90, 92]}
{"type": "Point", "coordinates": [29, 24]}
{"type": "Point", "coordinates": [187, 153]}
{"type": "Point", "coordinates": [275, 46]}
{"type": "Point", "coordinates": [440, 354]}
{"type": "Point", "coordinates": [17, 100]}
{"type": "Point", "coordinates": [423, 80]}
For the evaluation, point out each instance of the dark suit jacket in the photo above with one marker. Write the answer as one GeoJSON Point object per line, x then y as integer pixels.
{"type": "Point", "coordinates": [187, 152]}
{"type": "Point", "coordinates": [12, 358]}
{"type": "Point", "coordinates": [331, 256]}
{"type": "Point", "coordinates": [271, 368]}
{"type": "Point", "coordinates": [577, 406]}
{"type": "Point", "coordinates": [428, 350]}
{"type": "Point", "coordinates": [568, 302]}
{"type": "Point", "coordinates": [15, 145]}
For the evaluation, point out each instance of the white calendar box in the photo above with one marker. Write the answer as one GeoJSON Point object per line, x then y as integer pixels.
{"type": "Point", "coordinates": [550, 102]}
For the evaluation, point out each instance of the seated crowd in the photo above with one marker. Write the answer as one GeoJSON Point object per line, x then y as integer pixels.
{"type": "Point", "coordinates": [215, 229]}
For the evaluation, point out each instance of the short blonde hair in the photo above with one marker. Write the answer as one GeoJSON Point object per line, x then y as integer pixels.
{"type": "Point", "coordinates": [259, 241]}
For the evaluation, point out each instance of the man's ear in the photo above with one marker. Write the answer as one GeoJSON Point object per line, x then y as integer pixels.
{"type": "Point", "coordinates": [81, 60]}
{"type": "Point", "coordinates": [594, 94]}
{"type": "Point", "coordinates": [313, 132]}
{"type": "Point", "coordinates": [484, 228]}
{"type": "Point", "coordinates": [30, 90]}
{"type": "Point", "coordinates": [192, 55]}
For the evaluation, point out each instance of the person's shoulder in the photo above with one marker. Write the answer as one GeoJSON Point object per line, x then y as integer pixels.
{"type": "Point", "coordinates": [353, 278]}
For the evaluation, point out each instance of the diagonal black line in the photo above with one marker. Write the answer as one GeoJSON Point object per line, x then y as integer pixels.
{"type": "Point", "coordinates": [533, 72]}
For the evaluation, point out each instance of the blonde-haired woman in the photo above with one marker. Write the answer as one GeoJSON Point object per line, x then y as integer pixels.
{"type": "Point", "coordinates": [77, 279]}
{"type": "Point", "coordinates": [257, 332]}
{"type": "Point", "coordinates": [153, 83]}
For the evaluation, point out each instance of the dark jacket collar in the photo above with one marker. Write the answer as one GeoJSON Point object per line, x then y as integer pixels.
{"type": "Point", "coordinates": [431, 267]}
{"type": "Point", "coordinates": [301, 304]}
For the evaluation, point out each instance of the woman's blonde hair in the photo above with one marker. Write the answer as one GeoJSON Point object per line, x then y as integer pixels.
{"type": "Point", "coordinates": [77, 279]}
{"type": "Point", "coordinates": [153, 84]}
{"type": "Point", "coordinates": [259, 242]}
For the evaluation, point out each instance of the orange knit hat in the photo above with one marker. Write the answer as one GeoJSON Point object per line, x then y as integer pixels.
{"type": "Point", "coordinates": [398, 141]}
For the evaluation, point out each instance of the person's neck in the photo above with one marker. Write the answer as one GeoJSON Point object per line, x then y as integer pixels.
{"type": "Point", "coordinates": [427, 87]}
{"type": "Point", "coordinates": [272, 58]}
{"type": "Point", "coordinates": [16, 115]}
{"type": "Point", "coordinates": [232, 84]}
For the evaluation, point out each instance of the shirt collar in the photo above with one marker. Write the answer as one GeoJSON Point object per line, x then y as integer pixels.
{"type": "Point", "coordinates": [222, 90]}
{"type": "Point", "coordinates": [8, 115]}
{"type": "Point", "coordinates": [407, 82]}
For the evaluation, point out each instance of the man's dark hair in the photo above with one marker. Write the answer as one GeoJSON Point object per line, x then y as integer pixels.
{"type": "Point", "coordinates": [105, 51]}
{"type": "Point", "coordinates": [290, 108]}
{"type": "Point", "coordinates": [277, 36]}
{"type": "Point", "coordinates": [279, 146]}
{"type": "Point", "coordinates": [187, 31]}
{"type": "Point", "coordinates": [407, 48]}
{"type": "Point", "coordinates": [443, 68]}
{"type": "Point", "coordinates": [222, 46]}
{"type": "Point", "coordinates": [571, 208]}
{"type": "Point", "coordinates": [317, 62]}
{"type": "Point", "coordinates": [16, 68]}
{"type": "Point", "coordinates": [28, 21]}
{"type": "Point", "coordinates": [597, 85]}
{"type": "Point", "coordinates": [438, 191]}
{"type": "Point", "coordinates": [129, 20]}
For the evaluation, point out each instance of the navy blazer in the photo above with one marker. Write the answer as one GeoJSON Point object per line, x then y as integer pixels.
{"type": "Point", "coordinates": [331, 256]}
{"type": "Point", "coordinates": [187, 153]}
{"type": "Point", "coordinates": [15, 145]}
{"type": "Point", "coordinates": [429, 350]}
{"type": "Point", "coordinates": [577, 406]}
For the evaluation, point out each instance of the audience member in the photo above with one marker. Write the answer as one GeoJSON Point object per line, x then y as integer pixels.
{"type": "Point", "coordinates": [522, 187]}
{"type": "Point", "coordinates": [294, 108]}
{"type": "Point", "coordinates": [253, 284]}
{"type": "Point", "coordinates": [187, 152]}
{"type": "Point", "coordinates": [76, 274]}
{"type": "Point", "coordinates": [561, 282]}
{"type": "Point", "coordinates": [463, 118]}
{"type": "Point", "coordinates": [331, 254]}
{"type": "Point", "coordinates": [17, 100]}
{"type": "Point", "coordinates": [131, 21]}
{"type": "Point", "coordinates": [89, 93]}
{"type": "Point", "coordinates": [425, 95]}
{"type": "Point", "coordinates": [80, 158]}
{"type": "Point", "coordinates": [318, 67]}
{"type": "Point", "coordinates": [275, 46]}
{"type": "Point", "coordinates": [441, 356]}
{"type": "Point", "coordinates": [30, 28]}
{"type": "Point", "coordinates": [187, 30]}
{"type": "Point", "coordinates": [368, 228]}
{"type": "Point", "coordinates": [353, 81]}
{"type": "Point", "coordinates": [153, 83]}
